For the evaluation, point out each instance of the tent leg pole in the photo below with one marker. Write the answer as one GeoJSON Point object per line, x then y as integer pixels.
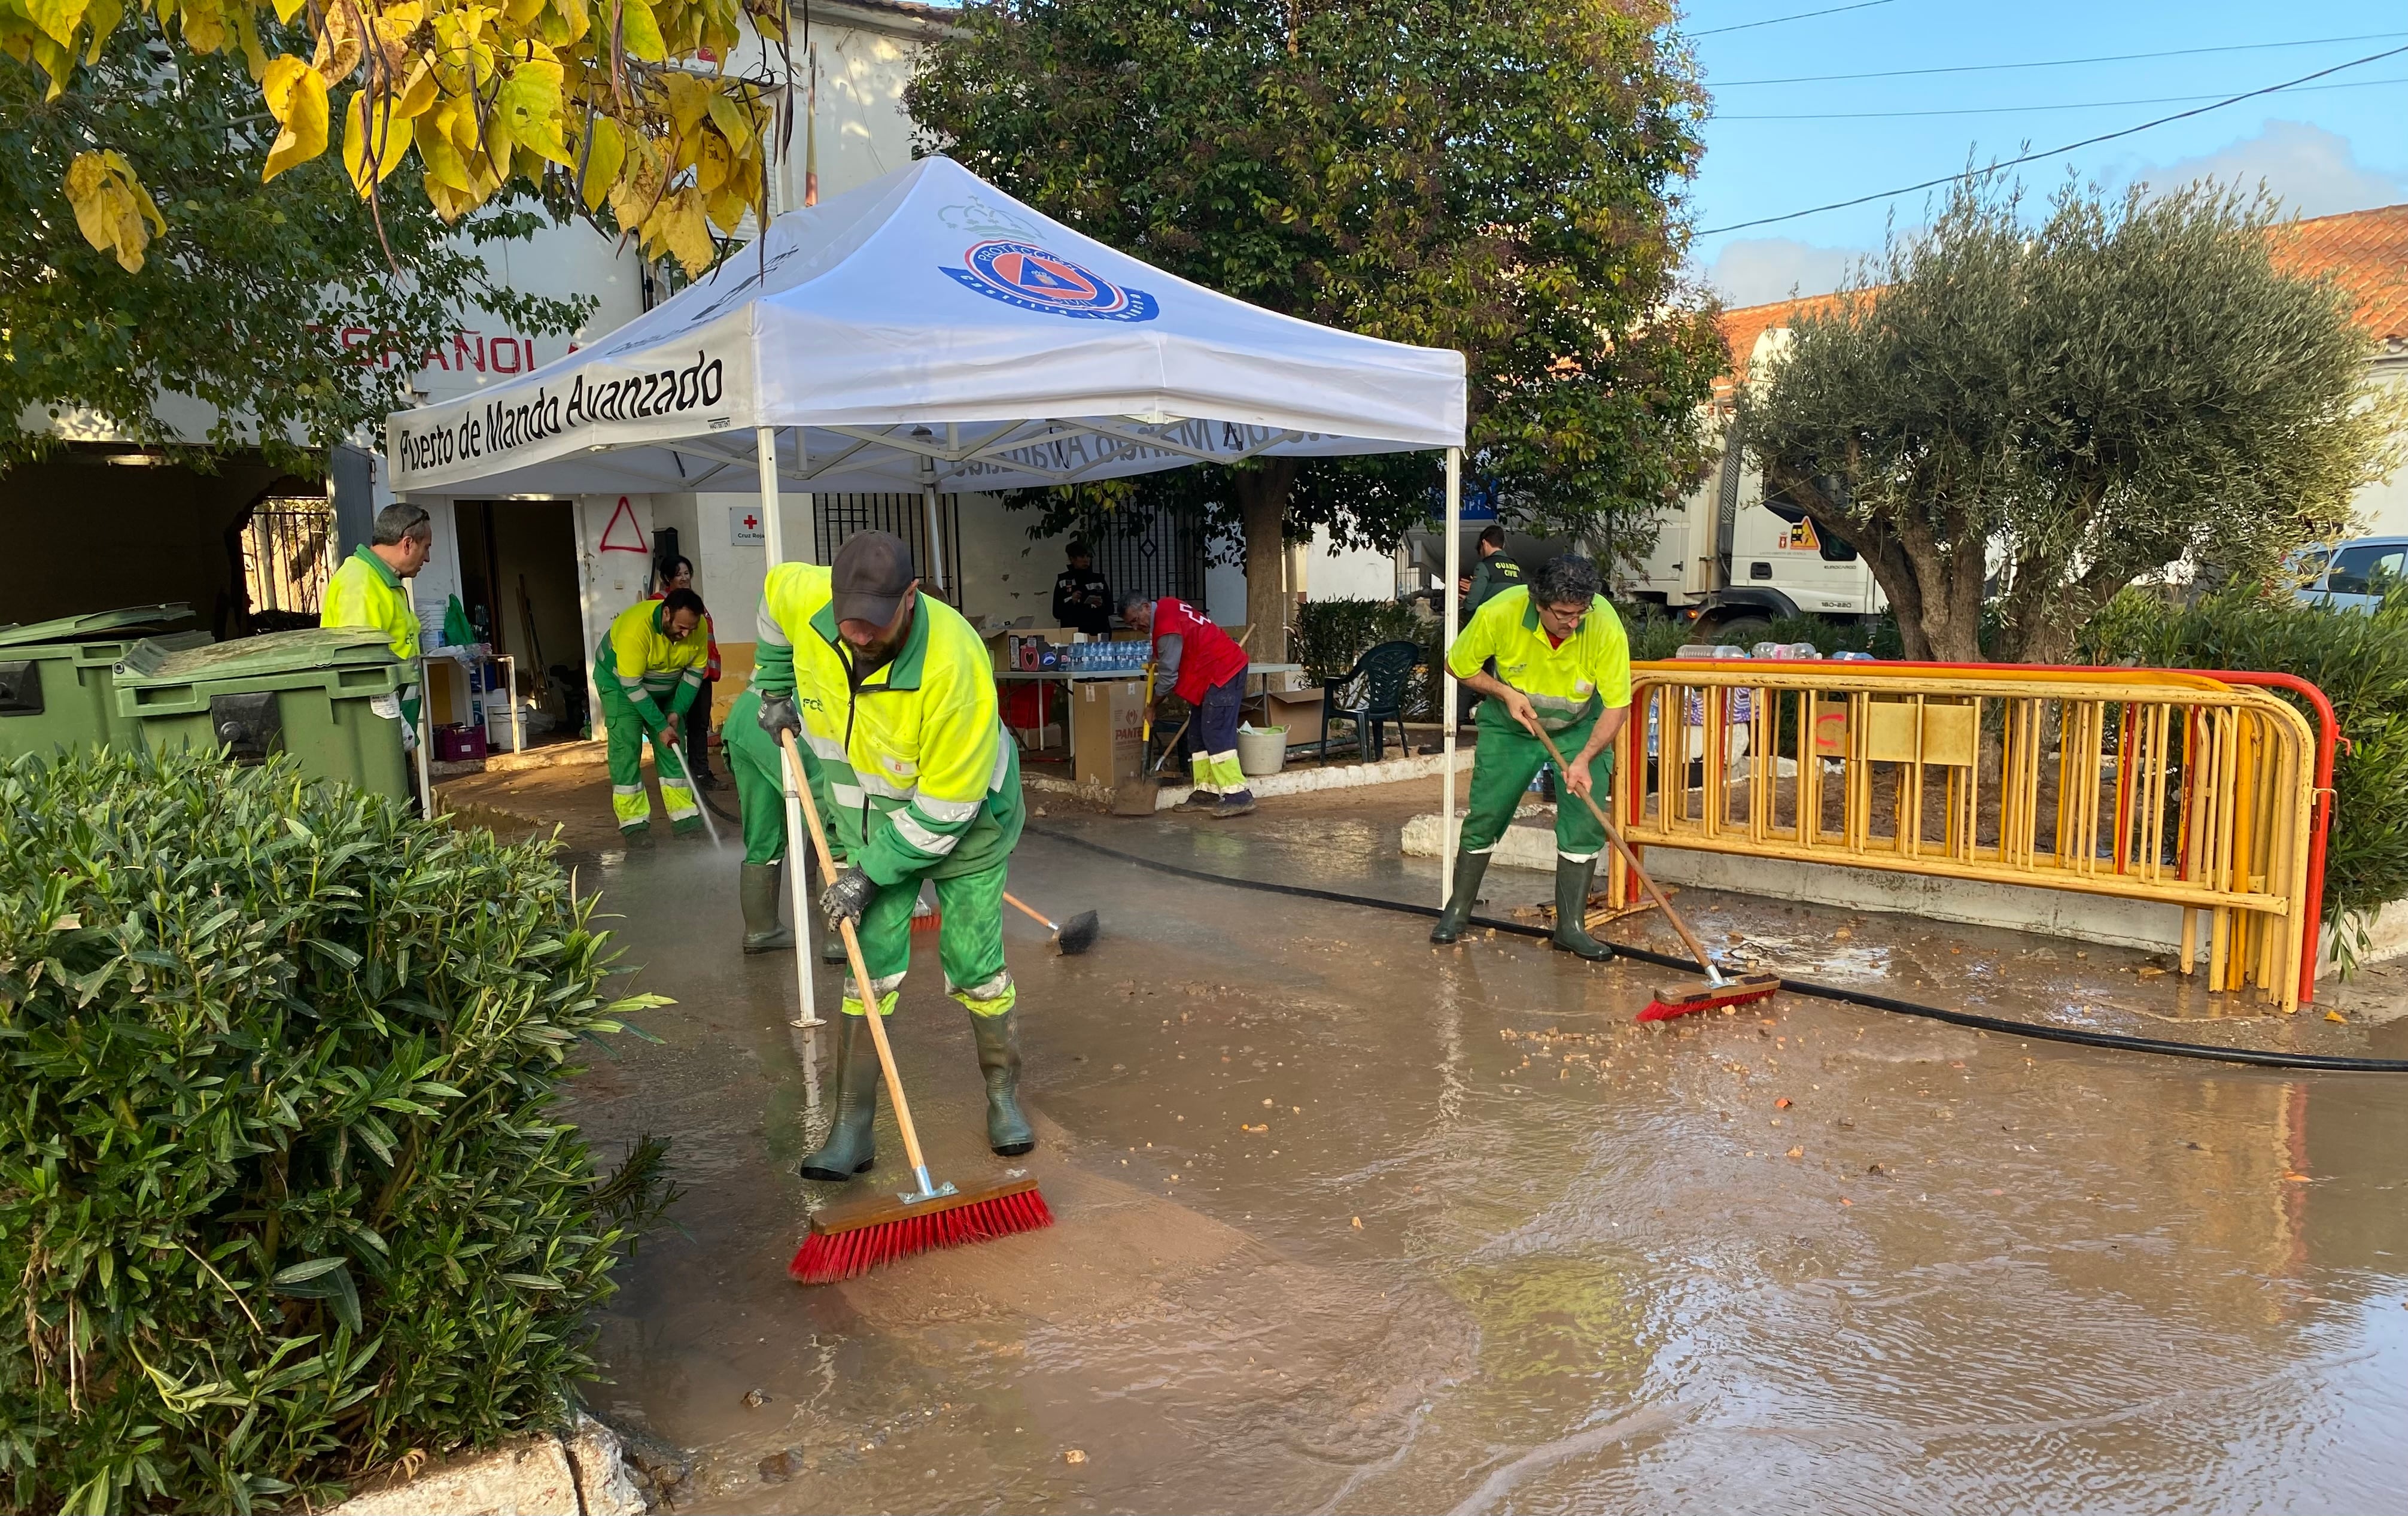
{"type": "Point", "coordinates": [1446, 683]}
{"type": "Point", "coordinates": [805, 1029]}
{"type": "Point", "coordinates": [425, 740]}
{"type": "Point", "coordinates": [936, 536]}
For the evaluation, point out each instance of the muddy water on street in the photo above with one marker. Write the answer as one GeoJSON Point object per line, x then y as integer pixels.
{"type": "Point", "coordinates": [1350, 1223]}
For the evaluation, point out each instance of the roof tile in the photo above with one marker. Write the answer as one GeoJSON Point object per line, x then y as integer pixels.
{"type": "Point", "coordinates": [2365, 252]}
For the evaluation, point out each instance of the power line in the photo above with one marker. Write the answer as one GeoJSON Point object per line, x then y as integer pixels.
{"type": "Point", "coordinates": [2051, 153]}
{"type": "Point", "coordinates": [2057, 63]}
{"type": "Point", "coordinates": [1802, 16]}
{"type": "Point", "coordinates": [2069, 105]}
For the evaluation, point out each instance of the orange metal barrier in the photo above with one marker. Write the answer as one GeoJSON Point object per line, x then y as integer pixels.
{"type": "Point", "coordinates": [2143, 784]}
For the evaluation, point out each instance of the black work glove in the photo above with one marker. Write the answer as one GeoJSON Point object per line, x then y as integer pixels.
{"type": "Point", "coordinates": [847, 898]}
{"type": "Point", "coordinates": [778, 714]}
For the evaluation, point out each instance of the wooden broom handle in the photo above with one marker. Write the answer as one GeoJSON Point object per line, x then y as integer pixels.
{"type": "Point", "coordinates": [852, 956]}
{"type": "Point", "coordinates": [1629, 857]}
{"type": "Point", "coordinates": [1030, 911]}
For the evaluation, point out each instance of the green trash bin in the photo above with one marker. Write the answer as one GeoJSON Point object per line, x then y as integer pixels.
{"type": "Point", "coordinates": [56, 689]}
{"type": "Point", "coordinates": [304, 693]}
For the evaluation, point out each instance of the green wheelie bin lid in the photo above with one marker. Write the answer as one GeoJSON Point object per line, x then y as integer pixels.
{"type": "Point", "coordinates": [93, 626]}
{"type": "Point", "coordinates": [56, 685]}
{"type": "Point", "coordinates": [157, 663]}
{"type": "Point", "coordinates": [310, 693]}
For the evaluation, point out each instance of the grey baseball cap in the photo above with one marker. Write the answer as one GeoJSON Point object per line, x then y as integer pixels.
{"type": "Point", "coordinates": [871, 575]}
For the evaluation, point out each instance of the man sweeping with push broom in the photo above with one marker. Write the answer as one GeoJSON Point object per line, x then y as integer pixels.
{"type": "Point", "coordinates": [1560, 654]}
{"type": "Point", "coordinates": [895, 694]}
{"type": "Point", "coordinates": [1563, 668]}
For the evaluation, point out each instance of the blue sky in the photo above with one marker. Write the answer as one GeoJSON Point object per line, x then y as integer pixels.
{"type": "Point", "coordinates": [2322, 150]}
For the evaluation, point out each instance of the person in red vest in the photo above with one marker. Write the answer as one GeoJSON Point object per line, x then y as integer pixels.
{"type": "Point", "coordinates": [1209, 674]}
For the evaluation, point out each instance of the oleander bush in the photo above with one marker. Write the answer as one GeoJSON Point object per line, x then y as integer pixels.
{"type": "Point", "coordinates": [283, 1197]}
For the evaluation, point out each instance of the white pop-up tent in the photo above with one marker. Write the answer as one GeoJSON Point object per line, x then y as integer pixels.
{"type": "Point", "coordinates": [926, 332]}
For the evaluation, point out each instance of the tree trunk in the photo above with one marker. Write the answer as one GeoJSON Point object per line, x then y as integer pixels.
{"type": "Point", "coordinates": [1262, 506]}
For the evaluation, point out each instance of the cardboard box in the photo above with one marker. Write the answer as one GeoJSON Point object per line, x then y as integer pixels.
{"type": "Point", "coordinates": [1107, 731]}
{"type": "Point", "coordinates": [1298, 711]}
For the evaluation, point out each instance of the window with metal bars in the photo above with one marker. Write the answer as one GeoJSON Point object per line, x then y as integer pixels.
{"type": "Point", "coordinates": [288, 554]}
{"type": "Point", "coordinates": [1164, 558]}
{"type": "Point", "coordinates": [835, 517]}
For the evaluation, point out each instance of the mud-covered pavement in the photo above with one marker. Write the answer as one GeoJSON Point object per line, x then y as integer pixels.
{"type": "Point", "coordinates": [1352, 1224]}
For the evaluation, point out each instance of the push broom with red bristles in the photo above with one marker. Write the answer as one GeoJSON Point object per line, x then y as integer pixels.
{"type": "Point", "coordinates": [1718, 989]}
{"type": "Point", "coordinates": [854, 1237]}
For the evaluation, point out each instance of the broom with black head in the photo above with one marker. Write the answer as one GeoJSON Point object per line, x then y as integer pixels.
{"type": "Point", "coordinates": [853, 1236]}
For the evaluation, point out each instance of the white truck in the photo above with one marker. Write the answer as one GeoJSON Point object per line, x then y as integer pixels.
{"type": "Point", "coordinates": [1732, 560]}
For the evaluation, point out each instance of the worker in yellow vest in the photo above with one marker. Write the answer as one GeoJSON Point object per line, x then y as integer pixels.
{"type": "Point", "coordinates": [1561, 665]}
{"type": "Point", "coordinates": [371, 590]}
{"type": "Point", "coordinates": [649, 669]}
{"type": "Point", "coordinates": [893, 692]}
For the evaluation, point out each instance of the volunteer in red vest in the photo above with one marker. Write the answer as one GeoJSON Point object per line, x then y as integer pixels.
{"type": "Point", "coordinates": [1208, 672]}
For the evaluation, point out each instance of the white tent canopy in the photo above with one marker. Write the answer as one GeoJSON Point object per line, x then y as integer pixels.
{"type": "Point", "coordinates": [926, 331]}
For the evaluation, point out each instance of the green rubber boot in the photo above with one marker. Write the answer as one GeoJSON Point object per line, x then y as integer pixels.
{"type": "Point", "coordinates": [1008, 1131]}
{"type": "Point", "coordinates": [758, 888]}
{"type": "Point", "coordinates": [852, 1145]}
{"type": "Point", "coordinates": [1572, 911]}
{"type": "Point", "coordinates": [1469, 869]}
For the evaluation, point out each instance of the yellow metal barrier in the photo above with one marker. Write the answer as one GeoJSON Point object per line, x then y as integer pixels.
{"type": "Point", "coordinates": [2141, 784]}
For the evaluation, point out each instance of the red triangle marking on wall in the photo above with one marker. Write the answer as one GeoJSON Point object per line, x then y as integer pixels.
{"type": "Point", "coordinates": [634, 529]}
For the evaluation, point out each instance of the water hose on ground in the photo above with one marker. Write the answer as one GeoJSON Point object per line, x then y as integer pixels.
{"type": "Point", "coordinates": [2321, 1062]}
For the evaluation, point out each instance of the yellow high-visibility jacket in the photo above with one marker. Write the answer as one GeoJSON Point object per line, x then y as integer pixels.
{"type": "Point", "coordinates": [1567, 684]}
{"type": "Point", "coordinates": [365, 593]}
{"type": "Point", "coordinates": [647, 666]}
{"type": "Point", "coordinates": [922, 780]}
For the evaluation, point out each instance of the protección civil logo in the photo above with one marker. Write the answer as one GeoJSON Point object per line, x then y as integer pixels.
{"type": "Point", "coordinates": [1034, 279]}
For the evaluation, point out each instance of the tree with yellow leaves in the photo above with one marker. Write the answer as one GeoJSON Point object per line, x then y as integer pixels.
{"type": "Point", "coordinates": [277, 303]}
{"type": "Point", "coordinates": [624, 102]}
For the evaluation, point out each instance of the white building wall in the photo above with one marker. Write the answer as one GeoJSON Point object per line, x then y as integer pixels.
{"type": "Point", "coordinates": [2382, 509]}
{"type": "Point", "coordinates": [1335, 573]}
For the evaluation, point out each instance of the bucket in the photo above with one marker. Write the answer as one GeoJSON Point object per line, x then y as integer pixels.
{"type": "Point", "coordinates": [1261, 750]}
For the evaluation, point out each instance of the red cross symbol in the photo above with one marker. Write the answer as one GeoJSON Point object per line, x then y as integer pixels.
{"type": "Point", "coordinates": [752, 522]}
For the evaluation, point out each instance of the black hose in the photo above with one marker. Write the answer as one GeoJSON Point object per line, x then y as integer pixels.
{"type": "Point", "coordinates": [2323, 1063]}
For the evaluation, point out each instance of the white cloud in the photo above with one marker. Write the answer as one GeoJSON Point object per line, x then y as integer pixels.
{"type": "Point", "coordinates": [1757, 270]}
{"type": "Point", "coordinates": [2315, 172]}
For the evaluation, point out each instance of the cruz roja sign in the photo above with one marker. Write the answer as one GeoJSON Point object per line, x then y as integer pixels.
{"type": "Point", "coordinates": [474, 433]}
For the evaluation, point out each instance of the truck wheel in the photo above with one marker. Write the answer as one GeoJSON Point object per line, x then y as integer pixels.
{"type": "Point", "coordinates": [1744, 633]}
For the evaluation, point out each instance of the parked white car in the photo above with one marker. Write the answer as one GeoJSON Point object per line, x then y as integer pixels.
{"type": "Point", "coordinates": [2354, 574]}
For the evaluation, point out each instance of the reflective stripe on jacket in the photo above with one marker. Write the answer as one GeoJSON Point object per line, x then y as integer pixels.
{"type": "Point", "coordinates": [1564, 683]}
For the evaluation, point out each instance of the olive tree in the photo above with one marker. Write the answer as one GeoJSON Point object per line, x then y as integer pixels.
{"type": "Point", "coordinates": [2018, 419]}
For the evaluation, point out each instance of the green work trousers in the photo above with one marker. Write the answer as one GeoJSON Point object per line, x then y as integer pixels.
{"type": "Point", "coordinates": [628, 802]}
{"type": "Point", "coordinates": [1502, 766]}
{"type": "Point", "coordinates": [969, 943]}
{"type": "Point", "coordinates": [754, 758]}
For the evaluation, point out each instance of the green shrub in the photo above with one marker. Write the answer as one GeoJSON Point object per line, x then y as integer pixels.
{"type": "Point", "coordinates": [1653, 634]}
{"type": "Point", "coordinates": [2359, 659]}
{"type": "Point", "coordinates": [1328, 636]}
{"type": "Point", "coordinates": [281, 1197]}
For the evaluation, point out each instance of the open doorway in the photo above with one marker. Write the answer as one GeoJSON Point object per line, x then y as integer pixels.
{"type": "Point", "coordinates": [518, 586]}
